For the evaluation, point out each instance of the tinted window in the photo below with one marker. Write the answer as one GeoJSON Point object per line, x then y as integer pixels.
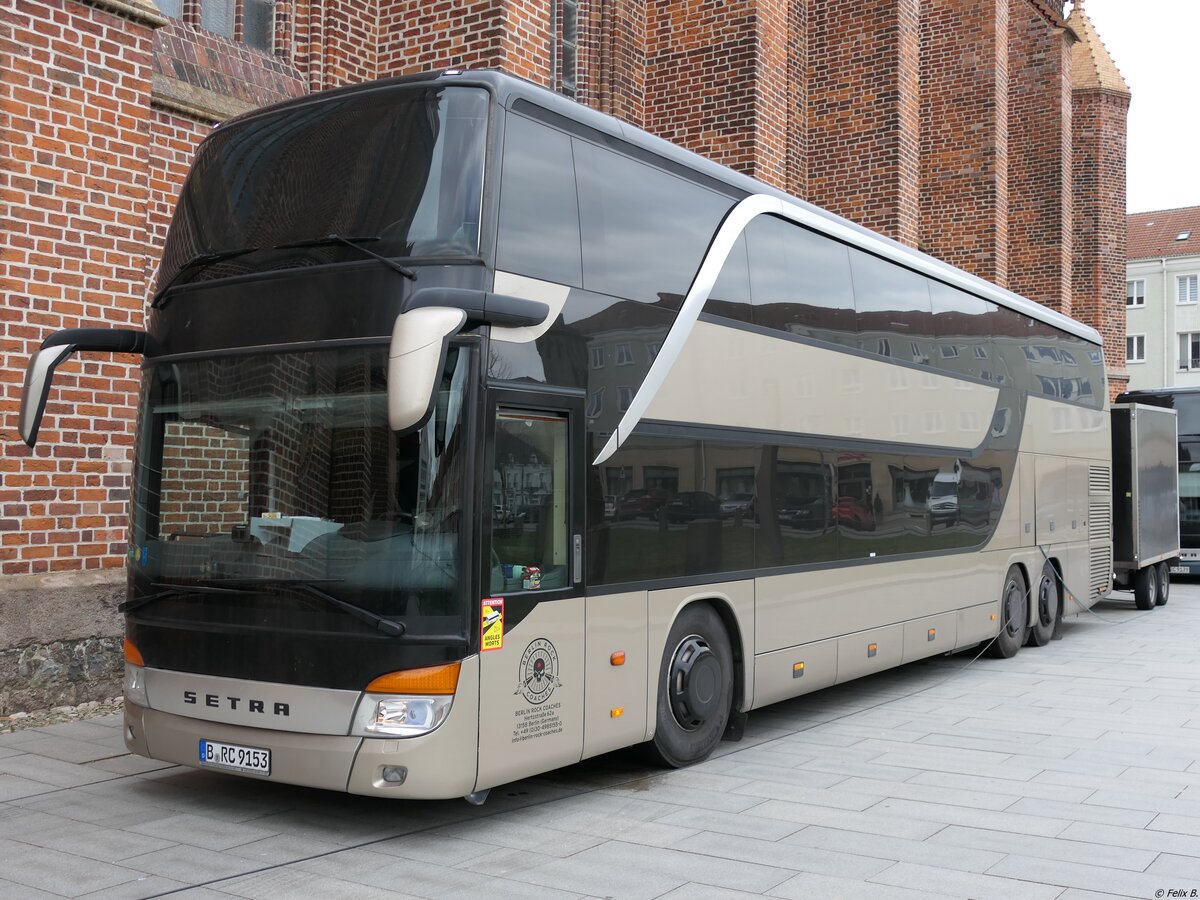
{"type": "Point", "coordinates": [644, 231]}
{"type": "Point", "coordinates": [892, 304]}
{"type": "Point", "coordinates": [794, 508]}
{"type": "Point", "coordinates": [539, 212]}
{"type": "Point", "coordinates": [800, 281]}
{"type": "Point", "coordinates": [961, 333]}
{"type": "Point", "coordinates": [730, 295]}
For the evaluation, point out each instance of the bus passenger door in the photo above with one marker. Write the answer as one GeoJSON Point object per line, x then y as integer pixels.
{"type": "Point", "coordinates": [531, 636]}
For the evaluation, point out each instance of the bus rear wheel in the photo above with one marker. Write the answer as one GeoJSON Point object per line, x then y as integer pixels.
{"type": "Point", "coordinates": [1164, 583]}
{"type": "Point", "coordinates": [695, 688]}
{"type": "Point", "coordinates": [1046, 611]}
{"type": "Point", "coordinates": [1145, 588]}
{"type": "Point", "coordinates": [1014, 615]}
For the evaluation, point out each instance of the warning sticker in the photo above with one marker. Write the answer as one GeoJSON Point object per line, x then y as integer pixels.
{"type": "Point", "coordinates": [492, 624]}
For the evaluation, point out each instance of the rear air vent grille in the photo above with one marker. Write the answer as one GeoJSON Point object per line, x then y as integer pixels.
{"type": "Point", "coordinates": [1099, 522]}
{"type": "Point", "coordinates": [1099, 480]}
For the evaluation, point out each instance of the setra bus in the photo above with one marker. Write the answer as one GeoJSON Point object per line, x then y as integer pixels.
{"type": "Point", "coordinates": [481, 433]}
{"type": "Point", "coordinates": [1186, 402]}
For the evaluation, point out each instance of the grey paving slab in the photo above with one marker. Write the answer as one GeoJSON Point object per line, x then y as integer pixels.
{"type": "Point", "coordinates": [278, 884]}
{"type": "Point", "coordinates": [50, 771]}
{"type": "Point", "coordinates": [60, 873]}
{"type": "Point", "coordinates": [72, 750]}
{"type": "Point", "coordinates": [191, 865]}
{"type": "Point", "coordinates": [1083, 812]}
{"type": "Point", "coordinates": [147, 886]}
{"type": "Point", "coordinates": [11, 890]}
{"type": "Point", "coordinates": [1029, 823]}
{"type": "Point", "coordinates": [203, 831]}
{"type": "Point", "coordinates": [786, 854]}
{"type": "Point", "coordinates": [964, 884]}
{"type": "Point", "coordinates": [826, 887]}
{"type": "Point", "coordinates": [893, 849]}
{"type": "Point", "coordinates": [741, 825]}
{"type": "Point", "coordinates": [1060, 848]}
{"type": "Point", "coordinates": [873, 822]}
{"type": "Point", "coordinates": [1074, 875]}
{"type": "Point", "coordinates": [94, 842]}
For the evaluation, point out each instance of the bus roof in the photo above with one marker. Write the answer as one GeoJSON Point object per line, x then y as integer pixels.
{"type": "Point", "coordinates": [510, 88]}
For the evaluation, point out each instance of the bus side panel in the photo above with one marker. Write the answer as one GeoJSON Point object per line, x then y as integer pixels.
{"type": "Point", "coordinates": [615, 707]}
{"type": "Point", "coordinates": [787, 673]}
{"type": "Point", "coordinates": [531, 694]}
{"type": "Point", "coordinates": [1051, 497]}
{"type": "Point", "coordinates": [812, 606]}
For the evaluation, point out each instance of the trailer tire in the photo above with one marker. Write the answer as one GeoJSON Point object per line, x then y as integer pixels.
{"type": "Point", "coordinates": [1014, 615]}
{"type": "Point", "coordinates": [1047, 608]}
{"type": "Point", "coordinates": [1164, 584]}
{"type": "Point", "coordinates": [695, 688]}
{"type": "Point", "coordinates": [1145, 588]}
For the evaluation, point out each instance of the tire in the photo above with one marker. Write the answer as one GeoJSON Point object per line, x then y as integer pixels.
{"type": "Point", "coordinates": [1014, 615]}
{"type": "Point", "coordinates": [695, 688]}
{"type": "Point", "coordinates": [1145, 588]}
{"type": "Point", "coordinates": [1164, 584]}
{"type": "Point", "coordinates": [1047, 607]}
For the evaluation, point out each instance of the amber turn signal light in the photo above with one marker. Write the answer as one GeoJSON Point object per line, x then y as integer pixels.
{"type": "Point", "coordinates": [133, 656]}
{"type": "Point", "coordinates": [430, 680]}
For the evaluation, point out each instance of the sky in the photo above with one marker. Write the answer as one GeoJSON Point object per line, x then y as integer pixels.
{"type": "Point", "coordinates": [1155, 45]}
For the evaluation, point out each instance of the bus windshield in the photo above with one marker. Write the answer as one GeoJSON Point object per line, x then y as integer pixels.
{"type": "Point", "coordinates": [398, 171]}
{"type": "Point", "coordinates": [262, 477]}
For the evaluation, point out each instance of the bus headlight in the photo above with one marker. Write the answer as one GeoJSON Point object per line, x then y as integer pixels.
{"type": "Point", "coordinates": [400, 716]}
{"type": "Point", "coordinates": [134, 685]}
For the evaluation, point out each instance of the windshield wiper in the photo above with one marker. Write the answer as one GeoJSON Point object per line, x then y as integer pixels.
{"type": "Point", "coordinates": [195, 264]}
{"type": "Point", "coordinates": [387, 626]}
{"type": "Point", "coordinates": [356, 243]}
{"type": "Point", "coordinates": [175, 590]}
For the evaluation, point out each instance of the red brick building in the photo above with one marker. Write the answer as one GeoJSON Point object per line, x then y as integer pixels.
{"type": "Point", "coordinates": [989, 133]}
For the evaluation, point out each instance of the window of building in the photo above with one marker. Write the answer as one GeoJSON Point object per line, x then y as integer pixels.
{"type": "Point", "coordinates": [595, 403]}
{"type": "Point", "coordinates": [1186, 288]}
{"type": "Point", "coordinates": [624, 354]}
{"type": "Point", "coordinates": [597, 357]}
{"type": "Point", "coordinates": [1135, 348]}
{"type": "Point", "coordinates": [1189, 350]}
{"type": "Point", "coordinates": [1135, 292]}
{"type": "Point", "coordinates": [626, 397]}
{"type": "Point", "coordinates": [249, 21]}
{"type": "Point", "coordinates": [567, 44]}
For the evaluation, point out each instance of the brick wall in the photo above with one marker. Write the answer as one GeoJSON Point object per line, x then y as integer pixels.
{"type": "Point", "coordinates": [864, 137]}
{"type": "Point", "coordinates": [1098, 264]}
{"type": "Point", "coordinates": [964, 135]}
{"type": "Point", "coordinates": [1039, 157]}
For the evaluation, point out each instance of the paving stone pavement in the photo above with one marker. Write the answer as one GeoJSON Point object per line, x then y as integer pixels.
{"type": "Point", "coordinates": [1071, 771]}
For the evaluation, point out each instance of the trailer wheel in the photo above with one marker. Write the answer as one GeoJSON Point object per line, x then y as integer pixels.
{"type": "Point", "coordinates": [1047, 602]}
{"type": "Point", "coordinates": [1014, 615]}
{"type": "Point", "coordinates": [695, 688]}
{"type": "Point", "coordinates": [1164, 584]}
{"type": "Point", "coordinates": [1145, 588]}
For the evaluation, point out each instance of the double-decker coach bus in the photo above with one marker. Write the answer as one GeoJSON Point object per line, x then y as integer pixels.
{"type": "Point", "coordinates": [1185, 401]}
{"type": "Point", "coordinates": [481, 433]}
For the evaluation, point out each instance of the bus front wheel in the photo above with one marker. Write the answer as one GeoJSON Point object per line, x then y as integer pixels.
{"type": "Point", "coordinates": [695, 688]}
{"type": "Point", "coordinates": [1014, 615]}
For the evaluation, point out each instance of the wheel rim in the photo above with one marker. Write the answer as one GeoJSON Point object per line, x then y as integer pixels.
{"type": "Point", "coordinates": [1047, 601]}
{"type": "Point", "coordinates": [1014, 599]}
{"type": "Point", "coordinates": [694, 682]}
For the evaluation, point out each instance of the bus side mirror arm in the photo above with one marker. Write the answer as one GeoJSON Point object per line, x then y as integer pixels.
{"type": "Point", "coordinates": [55, 350]}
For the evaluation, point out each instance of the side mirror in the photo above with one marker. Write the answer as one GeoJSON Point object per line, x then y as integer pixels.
{"type": "Point", "coordinates": [421, 338]}
{"type": "Point", "coordinates": [54, 351]}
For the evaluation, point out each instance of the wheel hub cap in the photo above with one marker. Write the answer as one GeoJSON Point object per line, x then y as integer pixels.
{"type": "Point", "coordinates": [695, 682]}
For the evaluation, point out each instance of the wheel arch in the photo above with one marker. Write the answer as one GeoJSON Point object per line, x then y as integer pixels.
{"type": "Point", "coordinates": [723, 607]}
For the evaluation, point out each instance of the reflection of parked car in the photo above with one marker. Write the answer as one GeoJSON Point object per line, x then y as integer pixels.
{"type": "Point", "coordinates": [610, 505]}
{"type": "Point", "coordinates": [641, 502]}
{"type": "Point", "coordinates": [736, 503]}
{"type": "Point", "coordinates": [692, 505]}
{"type": "Point", "coordinates": [853, 513]}
{"type": "Point", "coordinates": [801, 512]}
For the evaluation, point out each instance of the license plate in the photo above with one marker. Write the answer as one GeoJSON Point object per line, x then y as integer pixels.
{"type": "Point", "coordinates": [1180, 570]}
{"type": "Point", "coordinates": [235, 757]}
